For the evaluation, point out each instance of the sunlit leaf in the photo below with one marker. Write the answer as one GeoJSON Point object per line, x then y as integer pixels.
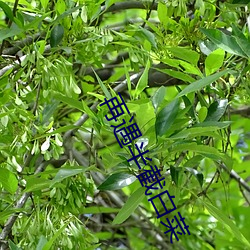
{"type": "Point", "coordinates": [129, 207]}
{"type": "Point", "coordinates": [8, 180]}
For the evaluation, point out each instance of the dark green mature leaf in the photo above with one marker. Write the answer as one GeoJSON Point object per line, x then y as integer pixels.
{"type": "Point", "coordinates": [223, 41]}
{"type": "Point", "coordinates": [117, 181]}
{"type": "Point", "coordinates": [132, 203]}
{"type": "Point", "coordinates": [8, 180]}
{"type": "Point", "coordinates": [216, 110]}
{"type": "Point", "coordinates": [198, 175]}
{"type": "Point", "coordinates": [245, 2]}
{"type": "Point", "coordinates": [174, 172]}
{"type": "Point", "coordinates": [166, 117]}
{"type": "Point", "coordinates": [197, 85]}
{"type": "Point", "coordinates": [7, 10]}
{"type": "Point", "coordinates": [56, 35]}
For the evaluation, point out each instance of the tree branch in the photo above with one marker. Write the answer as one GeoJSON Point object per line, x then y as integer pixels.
{"type": "Point", "coordinates": [235, 176]}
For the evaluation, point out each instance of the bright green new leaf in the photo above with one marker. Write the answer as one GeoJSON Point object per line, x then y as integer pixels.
{"type": "Point", "coordinates": [143, 81]}
{"type": "Point", "coordinates": [129, 207]}
{"type": "Point", "coordinates": [162, 12]}
{"type": "Point", "coordinates": [214, 61]}
{"type": "Point", "coordinates": [185, 54]}
{"type": "Point", "coordinates": [8, 180]}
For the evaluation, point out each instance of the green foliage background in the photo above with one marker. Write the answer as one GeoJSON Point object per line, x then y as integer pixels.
{"type": "Point", "coordinates": [183, 69]}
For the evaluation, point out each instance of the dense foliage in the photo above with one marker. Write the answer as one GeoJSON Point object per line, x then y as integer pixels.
{"type": "Point", "coordinates": [182, 68]}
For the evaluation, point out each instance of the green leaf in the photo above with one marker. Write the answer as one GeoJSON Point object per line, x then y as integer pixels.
{"type": "Point", "coordinates": [104, 89]}
{"type": "Point", "coordinates": [223, 41]}
{"type": "Point", "coordinates": [41, 243]}
{"type": "Point", "coordinates": [49, 244]}
{"type": "Point", "coordinates": [13, 246]}
{"type": "Point", "coordinates": [202, 114]}
{"type": "Point", "coordinates": [197, 85]}
{"type": "Point", "coordinates": [166, 117]}
{"type": "Point", "coordinates": [193, 132]}
{"type": "Point", "coordinates": [56, 35]}
{"type": "Point", "coordinates": [158, 97]}
{"type": "Point", "coordinates": [214, 61]}
{"type": "Point", "coordinates": [174, 172]}
{"type": "Point", "coordinates": [8, 180]}
{"type": "Point", "coordinates": [7, 10]}
{"type": "Point", "coordinates": [198, 175]}
{"type": "Point", "coordinates": [147, 35]}
{"type": "Point", "coordinates": [9, 211]}
{"type": "Point", "coordinates": [219, 125]}
{"type": "Point", "coordinates": [49, 110]}
{"type": "Point", "coordinates": [143, 81]}
{"type": "Point", "coordinates": [186, 54]}
{"type": "Point", "coordinates": [9, 32]}
{"type": "Point", "coordinates": [129, 207]}
{"type": "Point", "coordinates": [66, 172]}
{"type": "Point", "coordinates": [34, 183]}
{"type": "Point", "coordinates": [117, 181]}
{"type": "Point", "coordinates": [227, 223]}
{"type": "Point", "coordinates": [162, 12]}
{"type": "Point", "coordinates": [177, 74]}
{"type": "Point", "coordinates": [216, 110]}
{"type": "Point", "coordinates": [70, 101]}
{"type": "Point", "coordinates": [98, 210]}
